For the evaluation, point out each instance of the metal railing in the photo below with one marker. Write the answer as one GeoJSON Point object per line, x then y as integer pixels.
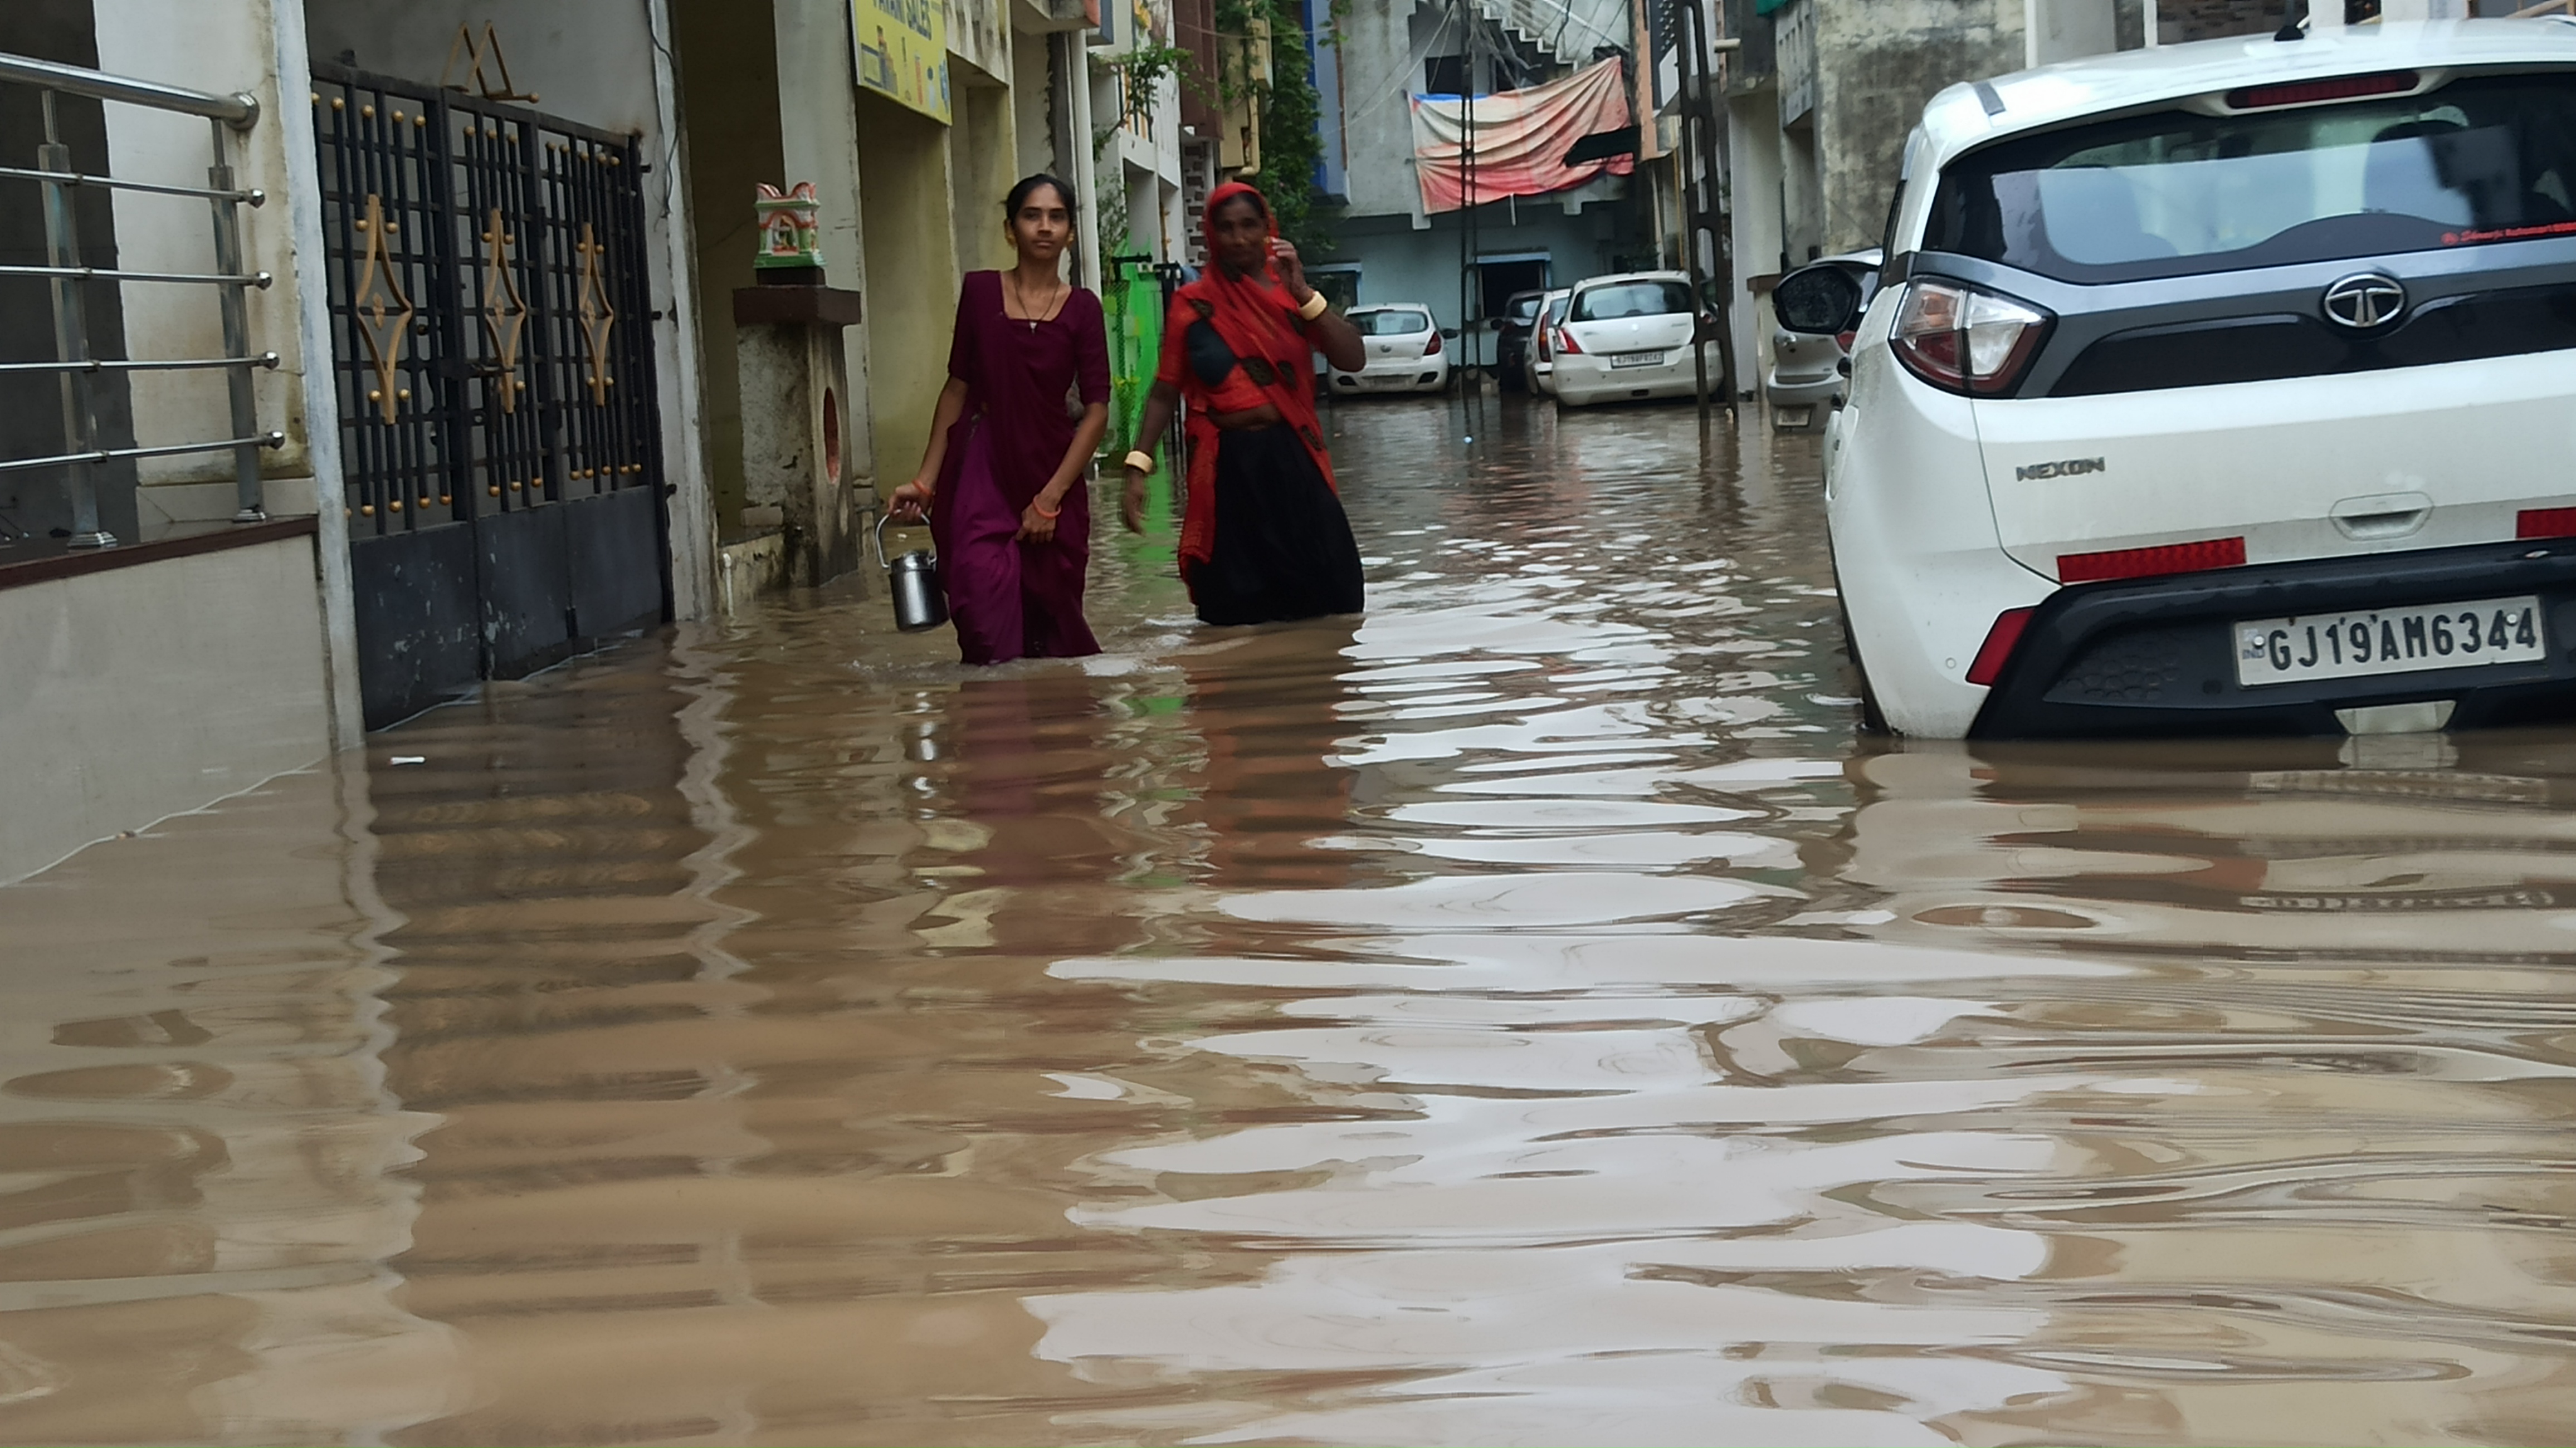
{"type": "Point", "coordinates": [53, 173]}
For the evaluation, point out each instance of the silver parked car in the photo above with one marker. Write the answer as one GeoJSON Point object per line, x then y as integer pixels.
{"type": "Point", "coordinates": [1807, 367]}
{"type": "Point", "coordinates": [1542, 355]}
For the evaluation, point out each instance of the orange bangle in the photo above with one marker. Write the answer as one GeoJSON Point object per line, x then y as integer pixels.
{"type": "Point", "coordinates": [1043, 513]}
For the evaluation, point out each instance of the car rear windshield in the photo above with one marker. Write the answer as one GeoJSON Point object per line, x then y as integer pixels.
{"type": "Point", "coordinates": [2175, 193]}
{"type": "Point", "coordinates": [1392, 324]}
{"type": "Point", "coordinates": [1524, 309]}
{"type": "Point", "coordinates": [1630, 299]}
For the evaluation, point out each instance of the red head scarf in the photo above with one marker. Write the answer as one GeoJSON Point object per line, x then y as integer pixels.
{"type": "Point", "coordinates": [1274, 364]}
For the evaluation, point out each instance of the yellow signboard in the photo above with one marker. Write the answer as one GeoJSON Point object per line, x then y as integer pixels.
{"type": "Point", "coordinates": [903, 52]}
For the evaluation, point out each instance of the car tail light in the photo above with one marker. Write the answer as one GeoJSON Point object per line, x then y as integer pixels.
{"type": "Point", "coordinates": [1963, 340]}
{"type": "Point", "coordinates": [2148, 562]}
{"type": "Point", "coordinates": [1996, 651]}
{"type": "Point", "coordinates": [2545, 523]}
{"type": "Point", "coordinates": [1565, 343]}
{"type": "Point", "coordinates": [2309, 92]}
{"type": "Point", "coordinates": [1844, 340]}
{"type": "Point", "coordinates": [1434, 349]}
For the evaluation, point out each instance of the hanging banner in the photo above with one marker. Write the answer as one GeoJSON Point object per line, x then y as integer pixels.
{"type": "Point", "coordinates": [903, 52]}
{"type": "Point", "coordinates": [1521, 140]}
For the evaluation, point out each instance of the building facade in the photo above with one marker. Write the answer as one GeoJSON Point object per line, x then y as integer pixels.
{"type": "Point", "coordinates": [1463, 263]}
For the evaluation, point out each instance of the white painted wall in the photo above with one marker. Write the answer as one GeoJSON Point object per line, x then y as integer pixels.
{"type": "Point", "coordinates": [221, 46]}
{"type": "Point", "coordinates": [143, 691]}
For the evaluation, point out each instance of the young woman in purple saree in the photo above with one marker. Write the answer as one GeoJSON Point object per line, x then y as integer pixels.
{"type": "Point", "coordinates": [1026, 404]}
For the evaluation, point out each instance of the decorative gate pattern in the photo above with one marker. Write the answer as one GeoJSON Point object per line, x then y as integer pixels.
{"type": "Point", "coordinates": [493, 349]}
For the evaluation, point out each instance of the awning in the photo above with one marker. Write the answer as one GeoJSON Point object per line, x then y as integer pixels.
{"type": "Point", "coordinates": [1522, 138]}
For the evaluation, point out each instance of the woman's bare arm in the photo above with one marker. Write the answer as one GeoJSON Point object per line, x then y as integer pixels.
{"type": "Point", "coordinates": [1159, 404]}
{"type": "Point", "coordinates": [1339, 341]}
{"type": "Point", "coordinates": [1037, 521]}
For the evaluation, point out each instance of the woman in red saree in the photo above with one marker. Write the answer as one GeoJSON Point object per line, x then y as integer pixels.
{"type": "Point", "coordinates": [1026, 404]}
{"type": "Point", "coordinates": [1263, 537]}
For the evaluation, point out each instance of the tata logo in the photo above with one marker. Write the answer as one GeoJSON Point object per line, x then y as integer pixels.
{"type": "Point", "coordinates": [2364, 301]}
{"type": "Point", "coordinates": [2068, 468]}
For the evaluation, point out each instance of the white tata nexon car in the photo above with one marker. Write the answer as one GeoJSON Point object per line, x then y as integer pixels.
{"type": "Point", "coordinates": [2222, 388]}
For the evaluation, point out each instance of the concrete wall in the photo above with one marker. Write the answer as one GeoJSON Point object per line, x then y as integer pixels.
{"type": "Point", "coordinates": [1878, 61]}
{"type": "Point", "coordinates": [605, 65]}
{"type": "Point", "coordinates": [222, 46]}
{"type": "Point", "coordinates": [1380, 60]}
{"type": "Point", "coordinates": [819, 142]}
{"type": "Point", "coordinates": [983, 167]}
{"type": "Point", "coordinates": [144, 691]}
{"type": "Point", "coordinates": [2069, 29]}
{"type": "Point", "coordinates": [905, 202]}
{"type": "Point", "coordinates": [729, 103]}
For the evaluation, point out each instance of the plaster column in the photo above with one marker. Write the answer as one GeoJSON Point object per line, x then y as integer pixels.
{"type": "Point", "coordinates": [818, 136]}
{"type": "Point", "coordinates": [1077, 84]}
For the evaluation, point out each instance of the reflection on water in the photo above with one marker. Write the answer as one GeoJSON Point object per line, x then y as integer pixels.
{"type": "Point", "coordinates": [1523, 1016]}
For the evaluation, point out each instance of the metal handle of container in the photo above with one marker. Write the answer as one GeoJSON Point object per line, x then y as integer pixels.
{"type": "Point", "coordinates": [878, 537]}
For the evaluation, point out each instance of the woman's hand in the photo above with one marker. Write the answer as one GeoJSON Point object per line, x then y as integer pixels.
{"type": "Point", "coordinates": [909, 503]}
{"type": "Point", "coordinates": [1037, 520]}
{"type": "Point", "coordinates": [1291, 269]}
{"type": "Point", "coordinates": [1131, 508]}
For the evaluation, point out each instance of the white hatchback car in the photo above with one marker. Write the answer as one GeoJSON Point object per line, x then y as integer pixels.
{"type": "Point", "coordinates": [1629, 336]}
{"type": "Point", "coordinates": [2222, 388]}
{"type": "Point", "coordinates": [1404, 351]}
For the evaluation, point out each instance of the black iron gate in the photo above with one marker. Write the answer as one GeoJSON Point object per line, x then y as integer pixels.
{"type": "Point", "coordinates": [493, 348]}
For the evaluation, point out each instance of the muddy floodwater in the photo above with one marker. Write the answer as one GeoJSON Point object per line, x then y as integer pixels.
{"type": "Point", "coordinates": [1533, 1014]}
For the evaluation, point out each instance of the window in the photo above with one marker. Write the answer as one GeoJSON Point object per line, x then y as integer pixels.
{"type": "Point", "coordinates": [1401, 322]}
{"type": "Point", "coordinates": [1630, 299]}
{"type": "Point", "coordinates": [1444, 75]}
{"type": "Point", "coordinates": [2172, 194]}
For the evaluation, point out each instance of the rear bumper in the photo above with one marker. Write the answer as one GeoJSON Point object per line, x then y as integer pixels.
{"type": "Point", "coordinates": [1589, 379]}
{"type": "Point", "coordinates": [1422, 374]}
{"type": "Point", "coordinates": [1801, 391]}
{"type": "Point", "coordinates": [2154, 657]}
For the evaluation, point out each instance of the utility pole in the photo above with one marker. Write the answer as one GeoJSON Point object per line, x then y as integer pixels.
{"type": "Point", "coordinates": [1468, 288]}
{"type": "Point", "coordinates": [1701, 217]}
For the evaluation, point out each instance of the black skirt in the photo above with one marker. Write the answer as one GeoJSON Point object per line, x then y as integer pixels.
{"type": "Point", "coordinates": [1283, 547]}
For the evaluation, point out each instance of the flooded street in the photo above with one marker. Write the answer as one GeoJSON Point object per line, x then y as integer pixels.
{"type": "Point", "coordinates": [1533, 1014]}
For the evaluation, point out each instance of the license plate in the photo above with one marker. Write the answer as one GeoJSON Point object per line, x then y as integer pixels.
{"type": "Point", "coordinates": [2389, 641]}
{"type": "Point", "coordinates": [1384, 380]}
{"type": "Point", "coordinates": [1636, 359]}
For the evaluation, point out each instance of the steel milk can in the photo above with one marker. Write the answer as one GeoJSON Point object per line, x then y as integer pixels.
{"type": "Point", "coordinates": [913, 579]}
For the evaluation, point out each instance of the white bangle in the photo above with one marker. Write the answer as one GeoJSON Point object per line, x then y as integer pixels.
{"type": "Point", "coordinates": [1141, 460]}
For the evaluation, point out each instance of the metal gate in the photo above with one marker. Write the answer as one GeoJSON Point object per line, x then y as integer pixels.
{"type": "Point", "coordinates": [492, 346]}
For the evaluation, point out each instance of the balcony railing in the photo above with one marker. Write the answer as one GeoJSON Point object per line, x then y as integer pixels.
{"type": "Point", "coordinates": [58, 181]}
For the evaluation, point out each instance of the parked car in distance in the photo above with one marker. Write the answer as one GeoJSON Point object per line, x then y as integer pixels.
{"type": "Point", "coordinates": [1542, 363]}
{"type": "Point", "coordinates": [1630, 336]}
{"type": "Point", "coordinates": [1404, 351]}
{"type": "Point", "coordinates": [1807, 367]}
{"type": "Point", "coordinates": [2219, 395]}
{"type": "Point", "coordinates": [1512, 337]}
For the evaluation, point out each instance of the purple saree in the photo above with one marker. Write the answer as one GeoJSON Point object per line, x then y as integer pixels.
{"type": "Point", "coordinates": [1027, 384]}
